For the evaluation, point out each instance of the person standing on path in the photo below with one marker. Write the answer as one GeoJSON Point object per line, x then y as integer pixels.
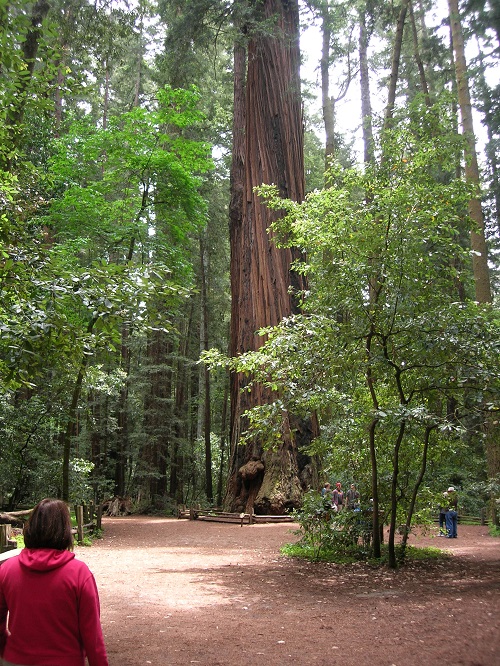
{"type": "Point", "coordinates": [338, 496]}
{"type": "Point", "coordinates": [352, 497]}
{"type": "Point", "coordinates": [451, 515]}
{"type": "Point", "coordinates": [49, 597]}
{"type": "Point", "coordinates": [443, 509]}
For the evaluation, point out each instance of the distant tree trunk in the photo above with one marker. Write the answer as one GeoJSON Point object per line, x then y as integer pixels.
{"type": "Point", "coordinates": [418, 59]}
{"type": "Point", "coordinates": [157, 424]}
{"type": "Point", "coordinates": [478, 241]}
{"type": "Point", "coordinates": [270, 124]}
{"type": "Point", "coordinates": [396, 57]}
{"type": "Point", "coordinates": [327, 101]}
{"type": "Point", "coordinates": [58, 98]}
{"type": "Point", "coordinates": [69, 431]}
{"type": "Point", "coordinates": [15, 112]}
{"type": "Point", "coordinates": [105, 103]}
{"type": "Point", "coordinates": [180, 417]}
{"type": "Point", "coordinates": [122, 440]}
{"type": "Point", "coordinates": [366, 106]}
{"type": "Point", "coordinates": [206, 377]}
{"type": "Point", "coordinates": [223, 438]}
{"type": "Point", "coordinates": [477, 238]}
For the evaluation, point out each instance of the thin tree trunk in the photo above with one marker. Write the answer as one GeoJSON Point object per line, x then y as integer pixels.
{"type": "Point", "coordinates": [416, 51]}
{"type": "Point", "coordinates": [207, 426]}
{"type": "Point", "coordinates": [223, 438]}
{"type": "Point", "coordinates": [394, 495]}
{"type": "Point", "coordinates": [69, 431]}
{"type": "Point", "coordinates": [396, 57]}
{"type": "Point", "coordinates": [105, 105]}
{"type": "Point", "coordinates": [122, 439]}
{"type": "Point", "coordinates": [366, 106]}
{"type": "Point", "coordinates": [180, 419]}
{"type": "Point", "coordinates": [373, 454]}
{"type": "Point", "coordinates": [58, 98]}
{"type": "Point", "coordinates": [328, 103]}
{"type": "Point", "coordinates": [416, 488]}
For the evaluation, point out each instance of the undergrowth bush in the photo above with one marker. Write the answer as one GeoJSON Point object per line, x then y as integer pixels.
{"type": "Point", "coordinates": [326, 534]}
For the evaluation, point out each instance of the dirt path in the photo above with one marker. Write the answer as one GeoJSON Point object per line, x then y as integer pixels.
{"type": "Point", "coordinates": [186, 592]}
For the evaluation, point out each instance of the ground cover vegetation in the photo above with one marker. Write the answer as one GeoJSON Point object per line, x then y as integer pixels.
{"type": "Point", "coordinates": [158, 206]}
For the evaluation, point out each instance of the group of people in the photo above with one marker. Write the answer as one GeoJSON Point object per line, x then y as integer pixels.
{"type": "Point", "coordinates": [49, 604]}
{"type": "Point", "coordinates": [337, 498]}
{"type": "Point", "coordinates": [448, 514]}
{"type": "Point", "coordinates": [448, 511]}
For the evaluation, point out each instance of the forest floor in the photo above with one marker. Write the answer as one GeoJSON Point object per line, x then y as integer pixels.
{"type": "Point", "coordinates": [189, 592]}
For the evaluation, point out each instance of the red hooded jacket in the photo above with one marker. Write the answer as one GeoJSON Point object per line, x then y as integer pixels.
{"type": "Point", "coordinates": [53, 610]}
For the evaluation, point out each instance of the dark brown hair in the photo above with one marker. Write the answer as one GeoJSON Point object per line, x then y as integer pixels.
{"type": "Point", "coordinates": [49, 526]}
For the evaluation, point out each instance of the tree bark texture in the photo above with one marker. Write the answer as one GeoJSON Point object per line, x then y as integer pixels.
{"type": "Point", "coordinates": [477, 237]}
{"type": "Point", "coordinates": [157, 418]}
{"type": "Point", "coordinates": [328, 102]}
{"type": "Point", "coordinates": [268, 149]}
{"type": "Point", "coordinates": [364, 77]}
{"type": "Point", "coordinates": [478, 242]}
{"type": "Point", "coordinates": [396, 58]}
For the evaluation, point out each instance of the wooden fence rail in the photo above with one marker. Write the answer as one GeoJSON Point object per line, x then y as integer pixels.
{"type": "Point", "coordinates": [217, 515]}
{"type": "Point", "coordinates": [88, 520]}
{"type": "Point", "coordinates": [6, 542]}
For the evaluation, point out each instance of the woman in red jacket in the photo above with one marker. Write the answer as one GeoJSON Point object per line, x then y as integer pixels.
{"type": "Point", "coordinates": [50, 598]}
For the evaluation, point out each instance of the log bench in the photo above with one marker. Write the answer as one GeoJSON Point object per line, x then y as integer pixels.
{"type": "Point", "coordinates": [220, 516]}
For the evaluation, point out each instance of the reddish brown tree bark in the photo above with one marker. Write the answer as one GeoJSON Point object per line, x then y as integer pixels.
{"type": "Point", "coordinates": [268, 148]}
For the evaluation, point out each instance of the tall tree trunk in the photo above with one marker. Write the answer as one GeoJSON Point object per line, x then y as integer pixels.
{"type": "Point", "coordinates": [327, 101]}
{"type": "Point", "coordinates": [122, 439]}
{"type": "Point", "coordinates": [223, 438]}
{"type": "Point", "coordinates": [396, 58]}
{"type": "Point", "coordinates": [416, 51]}
{"type": "Point", "coordinates": [156, 422]}
{"type": "Point", "coordinates": [477, 237]}
{"type": "Point", "coordinates": [269, 481]}
{"type": "Point", "coordinates": [180, 418]}
{"type": "Point", "coordinates": [206, 377]}
{"type": "Point", "coordinates": [478, 241]}
{"type": "Point", "coordinates": [105, 103]}
{"type": "Point", "coordinates": [366, 106]}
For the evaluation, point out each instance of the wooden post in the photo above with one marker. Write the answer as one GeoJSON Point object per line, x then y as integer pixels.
{"type": "Point", "coordinates": [3, 537]}
{"type": "Point", "coordinates": [79, 523]}
{"type": "Point", "coordinates": [5, 541]}
{"type": "Point", "coordinates": [98, 517]}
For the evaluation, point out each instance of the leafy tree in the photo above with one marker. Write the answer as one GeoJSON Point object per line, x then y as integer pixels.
{"type": "Point", "coordinates": [384, 348]}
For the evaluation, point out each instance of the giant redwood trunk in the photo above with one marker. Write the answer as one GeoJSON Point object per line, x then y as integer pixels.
{"type": "Point", "coordinates": [268, 148]}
